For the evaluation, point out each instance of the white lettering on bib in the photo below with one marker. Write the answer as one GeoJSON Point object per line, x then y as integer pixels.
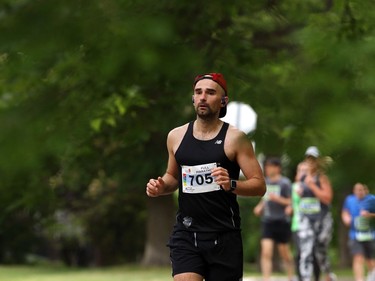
{"type": "Point", "coordinates": [272, 189]}
{"type": "Point", "coordinates": [309, 205]}
{"type": "Point", "coordinates": [198, 179]}
{"type": "Point", "coordinates": [364, 236]}
{"type": "Point", "coordinates": [363, 229]}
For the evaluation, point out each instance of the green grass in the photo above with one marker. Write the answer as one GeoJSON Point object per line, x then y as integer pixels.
{"type": "Point", "coordinates": [120, 273]}
{"type": "Point", "coordinates": [54, 273]}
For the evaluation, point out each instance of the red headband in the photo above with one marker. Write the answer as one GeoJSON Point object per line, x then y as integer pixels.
{"type": "Point", "coordinates": [218, 78]}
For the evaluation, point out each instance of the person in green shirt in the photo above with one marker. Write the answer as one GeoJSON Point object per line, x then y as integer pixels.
{"type": "Point", "coordinates": [293, 210]}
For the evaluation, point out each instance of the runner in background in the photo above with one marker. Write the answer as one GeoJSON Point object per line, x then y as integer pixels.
{"type": "Point", "coordinates": [361, 233]}
{"type": "Point", "coordinates": [275, 221]}
{"type": "Point", "coordinates": [315, 218]}
{"type": "Point", "coordinates": [293, 211]}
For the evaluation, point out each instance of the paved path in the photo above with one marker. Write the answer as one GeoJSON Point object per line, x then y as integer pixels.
{"type": "Point", "coordinates": [260, 279]}
{"type": "Point", "coordinates": [286, 279]}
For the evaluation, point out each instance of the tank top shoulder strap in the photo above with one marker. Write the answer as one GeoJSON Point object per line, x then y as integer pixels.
{"type": "Point", "coordinates": [190, 128]}
{"type": "Point", "coordinates": [223, 130]}
{"type": "Point", "coordinates": [189, 133]}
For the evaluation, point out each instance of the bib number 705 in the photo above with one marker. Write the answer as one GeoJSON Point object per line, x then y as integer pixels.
{"type": "Point", "coordinates": [200, 179]}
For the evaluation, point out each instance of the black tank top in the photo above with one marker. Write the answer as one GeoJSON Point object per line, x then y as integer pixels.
{"type": "Point", "coordinates": [209, 211]}
{"type": "Point", "coordinates": [309, 202]}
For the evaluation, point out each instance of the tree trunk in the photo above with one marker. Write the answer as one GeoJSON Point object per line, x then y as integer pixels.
{"type": "Point", "coordinates": [161, 217]}
{"type": "Point", "coordinates": [345, 258]}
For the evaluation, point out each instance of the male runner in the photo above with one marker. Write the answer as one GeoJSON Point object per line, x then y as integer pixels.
{"type": "Point", "coordinates": [205, 157]}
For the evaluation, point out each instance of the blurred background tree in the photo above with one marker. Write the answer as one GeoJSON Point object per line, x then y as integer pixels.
{"type": "Point", "coordinates": [90, 89]}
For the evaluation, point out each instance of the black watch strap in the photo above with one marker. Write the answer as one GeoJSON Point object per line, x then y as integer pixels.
{"type": "Point", "coordinates": [233, 185]}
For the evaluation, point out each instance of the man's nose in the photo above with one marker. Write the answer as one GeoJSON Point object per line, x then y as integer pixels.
{"type": "Point", "coordinates": [203, 97]}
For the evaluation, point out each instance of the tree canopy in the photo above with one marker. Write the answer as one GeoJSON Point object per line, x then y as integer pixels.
{"type": "Point", "coordinates": [90, 89]}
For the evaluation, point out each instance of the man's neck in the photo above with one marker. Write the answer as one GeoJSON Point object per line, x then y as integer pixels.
{"type": "Point", "coordinates": [206, 129]}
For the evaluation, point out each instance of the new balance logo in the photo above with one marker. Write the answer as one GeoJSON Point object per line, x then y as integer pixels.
{"type": "Point", "coordinates": [218, 141]}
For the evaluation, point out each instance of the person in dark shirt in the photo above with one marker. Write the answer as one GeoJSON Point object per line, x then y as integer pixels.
{"type": "Point", "coordinates": [205, 158]}
{"type": "Point", "coordinates": [315, 218]}
{"type": "Point", "coordinates": [276, 229]}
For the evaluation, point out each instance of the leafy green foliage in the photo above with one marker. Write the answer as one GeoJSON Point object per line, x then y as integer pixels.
{"type": "Point", "coordinates": [90, 89]}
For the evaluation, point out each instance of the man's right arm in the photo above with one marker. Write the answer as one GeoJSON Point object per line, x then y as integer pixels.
{"type": "Point", "coordinates": [168, 183]}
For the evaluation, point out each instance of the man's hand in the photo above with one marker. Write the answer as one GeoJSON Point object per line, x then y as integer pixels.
{"type": "Point", "coordinates": [155, 187]}
{"type": "Point", "coordinates": [221, 177]}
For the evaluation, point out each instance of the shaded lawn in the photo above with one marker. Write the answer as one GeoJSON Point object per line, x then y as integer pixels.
{"type": "Point", "coordinates": [55, 273]}
{"type": "Point", "coordinates": [120, 273]}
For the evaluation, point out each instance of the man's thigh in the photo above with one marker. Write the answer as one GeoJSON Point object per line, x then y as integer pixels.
{"type": "Point", "coordinates": [188, 276]}
{"type": "Point", "coordinates": [186, 258]}
{"type": "Point", "coordinates": [226, 260]}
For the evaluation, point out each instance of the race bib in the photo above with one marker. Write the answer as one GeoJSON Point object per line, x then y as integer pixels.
{"type": "Point", "coordinates": [198, 179]}
{"type": "Point", "coordinates": [272, 189]}
{"type": "Point", "coordinates": [364, 235]}
{"type": "Point", "coordinates": [362, 229]}
{"type": "Point", "coordinates": [309, 205]}
{"type": "Point", "coordinates": [361, 223]}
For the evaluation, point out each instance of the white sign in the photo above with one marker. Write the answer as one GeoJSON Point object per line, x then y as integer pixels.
{"type": "Point", "coordinates": [242, 116]}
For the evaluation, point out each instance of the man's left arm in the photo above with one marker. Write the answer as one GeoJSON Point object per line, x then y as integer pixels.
{"type": "Point", "coordinates": [254, 185]}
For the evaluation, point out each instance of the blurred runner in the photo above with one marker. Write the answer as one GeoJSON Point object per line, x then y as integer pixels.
{"type": "Point", "coordinates": [315, 219]}
{"type": "Point", "coordinates": [361, 233]}
{"type": "Point", "coordinates": [293, 210]}
{"type": "Point", "coordinates": [275, 221]}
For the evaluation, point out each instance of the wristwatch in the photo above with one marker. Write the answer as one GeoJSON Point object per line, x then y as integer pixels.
{"type": "Point", "coordinates": [233, 185]}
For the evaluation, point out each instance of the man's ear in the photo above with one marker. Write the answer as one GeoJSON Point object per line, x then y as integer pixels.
{"type": "Point", "coordinates": [224, 100]}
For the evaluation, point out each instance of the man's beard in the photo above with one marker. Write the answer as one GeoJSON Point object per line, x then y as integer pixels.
{"type": "Point", "coordinates": [206, 115]}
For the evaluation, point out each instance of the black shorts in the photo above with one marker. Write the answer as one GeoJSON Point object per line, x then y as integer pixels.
{"type": "Point", "coordinates": [278, 231]}
{"type": "Point", "coordinates": [215, 256]}
{"type": "Point", "coordinates": [365, 248]}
